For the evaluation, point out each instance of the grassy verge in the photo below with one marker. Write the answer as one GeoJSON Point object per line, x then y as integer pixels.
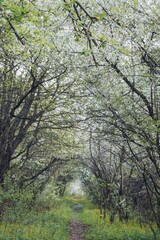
{"type": "Point", "coordinates": [104, 230]}
{"type": "Point", "coordinates": [47, 225]}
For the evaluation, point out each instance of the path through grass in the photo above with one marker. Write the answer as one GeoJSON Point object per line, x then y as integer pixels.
{"type": "Point", "coordinates": [54, 224]}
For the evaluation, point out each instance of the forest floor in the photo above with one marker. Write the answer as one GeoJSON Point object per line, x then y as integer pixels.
{"type": "Point", "coordinates": [77, 230]}
{"type": "Point", "coordinates": [70, 218]}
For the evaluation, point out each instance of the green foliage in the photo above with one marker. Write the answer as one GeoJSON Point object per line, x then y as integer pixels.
{"type": "Point", "coordinates": [43, 226]}
{"type": "Point", "coordinates": [47, 225]}
{"type": "Point", "coordinates": [1, 1]}
{"type": "Point", "coordinates": [86, 52]}
{"type": "Point", "coordinates": [18, 12]}
{"type": "Point", "coordinates": [46, 200]}
{"type": "Point", "coordinates": [102, 229]}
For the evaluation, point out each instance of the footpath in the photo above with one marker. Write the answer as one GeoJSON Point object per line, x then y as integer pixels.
{"type": "Point", "coordinates": [77, 229]}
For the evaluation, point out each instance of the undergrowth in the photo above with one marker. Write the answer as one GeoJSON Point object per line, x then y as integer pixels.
{"type": "Point", "coordinates": [53, 224]}
{"type": "Point", "coordinates": [44, 225]}
{"type": "Point", "coordinates": [99, 229]}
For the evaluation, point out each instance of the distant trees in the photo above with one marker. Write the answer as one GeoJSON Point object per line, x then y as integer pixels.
{"type": "Point", "coordinates": [106, 174]}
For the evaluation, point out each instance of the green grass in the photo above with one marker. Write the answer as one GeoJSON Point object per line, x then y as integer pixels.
{"type": "Point", "coordinates": [54, 224]}
{"type": "Point", "coordinates": [71, 200]}
{"type": "Point", "coordinates": [103, 230]}
{"type": "Point", "coordinates": [48, 225]}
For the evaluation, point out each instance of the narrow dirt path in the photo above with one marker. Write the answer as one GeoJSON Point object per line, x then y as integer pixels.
{"type": "Point", "coordinates": [76, 230]}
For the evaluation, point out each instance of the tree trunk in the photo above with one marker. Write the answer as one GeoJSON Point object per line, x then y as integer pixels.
{"type": "Point", "coordinates": [158, 213]}
{"type": "Point", "coordinates": [4, 165]}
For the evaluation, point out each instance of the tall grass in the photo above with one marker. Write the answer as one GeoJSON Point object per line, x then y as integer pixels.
{"type": "Point", "coordinates": [47, 225]}
{"type": "Point", "coordinates": [54, 224]}
{"type": "Point", "coordinates": [99, 229]}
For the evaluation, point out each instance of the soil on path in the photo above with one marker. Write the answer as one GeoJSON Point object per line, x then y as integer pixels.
{"type": "Point", "coordinates": [76, 230]}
